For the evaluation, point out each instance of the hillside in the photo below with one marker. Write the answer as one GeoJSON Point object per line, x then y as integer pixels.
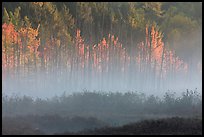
{"type": "Point", "coordinates": [168, 126]}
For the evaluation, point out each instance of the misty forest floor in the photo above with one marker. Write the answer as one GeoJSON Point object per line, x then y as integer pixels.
{"type": "Point", "coordinates": [103, 113]}
{"type": "Point", "coordinates": [166, 126]}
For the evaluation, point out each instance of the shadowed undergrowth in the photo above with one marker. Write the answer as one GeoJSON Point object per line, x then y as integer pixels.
{"type": "Point", "coordinates": [81, 113]}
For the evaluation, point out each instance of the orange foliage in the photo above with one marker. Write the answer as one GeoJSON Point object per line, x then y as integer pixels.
{"type": "Point", "coordinates": [18, 41]}
{"type": "Point", "coordinates": [100, 56]}
{"type": "Point", "coordinates": [9, 34]}
{"type": "Point", "coordinates": [9, 41]}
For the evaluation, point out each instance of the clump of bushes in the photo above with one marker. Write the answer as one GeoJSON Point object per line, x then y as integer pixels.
{"type": "Point", "coordinates": [105, 103]}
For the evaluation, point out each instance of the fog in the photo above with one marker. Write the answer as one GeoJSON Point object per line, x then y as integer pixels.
{"type": "Point", "coordinates": [38, 86]}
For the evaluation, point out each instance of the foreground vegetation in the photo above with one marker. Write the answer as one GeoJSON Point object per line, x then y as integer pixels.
{"type": "Point", "coordinates": [168, 126]}
{"type": "Point", "coordinates": [35, 125]}
{"type": "Point", "coordinates": [81, 113]}
{"type": "Point", "coordinates": [48, 124]}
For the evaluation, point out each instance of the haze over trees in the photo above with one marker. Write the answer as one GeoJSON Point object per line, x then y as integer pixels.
{"type": "Point", "coordinates": [112, 46]}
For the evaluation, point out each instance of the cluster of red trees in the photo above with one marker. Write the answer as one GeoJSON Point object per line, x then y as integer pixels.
{"type": "Point", "coordinates": [19, 48]}
{"type": "Point", "coordinates": [149, 60]}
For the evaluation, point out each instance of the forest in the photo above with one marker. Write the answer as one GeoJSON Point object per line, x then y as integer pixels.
{"type": "Point", "coordinates": [115, 60]}
{"type": "Point", "coordinates": [112, 46]}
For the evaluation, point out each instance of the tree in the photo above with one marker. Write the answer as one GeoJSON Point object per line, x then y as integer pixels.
{"type": "Point", "coordinates": [6, 18]}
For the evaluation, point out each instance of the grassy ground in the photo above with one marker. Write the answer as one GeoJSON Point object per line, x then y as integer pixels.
{"type": "Point", "coordinates": [47, 124]}
{"type": "Point", "coordinates": [35, 125]}
{"type": "Point", "coordinates": [168, 126]}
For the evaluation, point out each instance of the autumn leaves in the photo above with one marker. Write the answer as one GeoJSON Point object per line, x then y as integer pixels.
{"type": "Point", "coordinates": [107, 60]}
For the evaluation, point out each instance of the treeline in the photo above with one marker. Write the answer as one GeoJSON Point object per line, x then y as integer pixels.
{"type": "Point", "coordinates": [103, 104]}
{"type": "Point", "coordinates": [101, 18]}
{"type": "Point", "coordinates": [96, 20]}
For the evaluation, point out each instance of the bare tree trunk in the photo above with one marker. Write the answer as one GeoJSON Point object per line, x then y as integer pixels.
{"type": "Point", "coordinates": [160, 72]}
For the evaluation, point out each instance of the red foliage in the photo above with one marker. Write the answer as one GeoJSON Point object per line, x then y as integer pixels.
{"type": "Point", "coordinates": [100, 57]}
